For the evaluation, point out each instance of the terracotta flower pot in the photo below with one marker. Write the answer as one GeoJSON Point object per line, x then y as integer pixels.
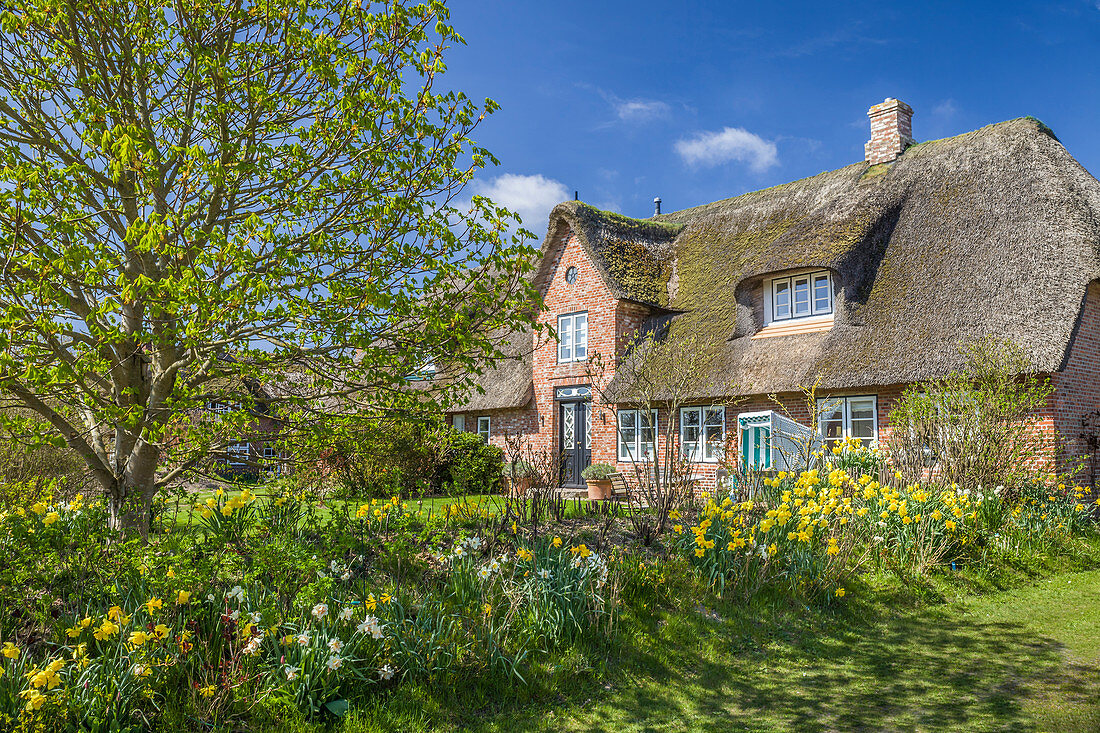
{"type": "Point", "coordinates": [599, 489]}
{"type": "Point", "coordinates": [519, 486]}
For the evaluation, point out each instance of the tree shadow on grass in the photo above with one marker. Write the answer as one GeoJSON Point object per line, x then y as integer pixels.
{"type": "Point", "coordinates": [920, 671]}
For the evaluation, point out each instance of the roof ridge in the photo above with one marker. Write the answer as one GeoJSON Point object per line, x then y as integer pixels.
{"type": "Point", "coordinates": [672, 216]}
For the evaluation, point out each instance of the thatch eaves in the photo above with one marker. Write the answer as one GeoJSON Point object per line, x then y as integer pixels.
{"type": "Point", "coordinates": [994, 232]}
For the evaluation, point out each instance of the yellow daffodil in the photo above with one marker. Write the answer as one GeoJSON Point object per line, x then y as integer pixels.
{"type": "Point", "coordinates": [105, 631]}
{"type": "Point", "coordinates": [11, 651]}
{"type": "Point", "coordinates": [153, 604]}
{"type": "Point", "coordinates": [839, 593]}
{"type": "Point", "coordinates": [34, 698]}
{"type": "Point", "coordinates": [556, 542]}
{"type": "Point", "coordinates": [137, 638]}
{"type": "Point", "coordinates": [183, 597]}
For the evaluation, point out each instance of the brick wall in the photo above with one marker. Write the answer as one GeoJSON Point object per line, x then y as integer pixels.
{"type": "Point", "coordinates": [1077, 390]}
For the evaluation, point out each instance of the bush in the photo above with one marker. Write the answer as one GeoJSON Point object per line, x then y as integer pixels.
{"type": "Point", "coordinates": [471, 465]}
{"type": "Point", "coordinates": [598, 471]}
{"type": "Point", "coordinates": [977, 427]}
{"type": "Point", "coordinates": [384, 457]}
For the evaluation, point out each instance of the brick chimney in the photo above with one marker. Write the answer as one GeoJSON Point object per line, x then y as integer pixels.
{"type": "Point", "coordinates": [891, 131]}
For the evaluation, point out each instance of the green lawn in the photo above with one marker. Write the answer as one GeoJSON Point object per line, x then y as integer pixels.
{"type": "Point", "coordinates": [1026, 659]}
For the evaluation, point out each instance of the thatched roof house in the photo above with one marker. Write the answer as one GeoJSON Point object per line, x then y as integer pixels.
{"type": "Point", "coordinates": [923, 246]}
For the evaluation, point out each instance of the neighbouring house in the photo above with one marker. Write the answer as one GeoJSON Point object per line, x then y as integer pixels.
{"type": "Point", "coordinates": [866, 278]}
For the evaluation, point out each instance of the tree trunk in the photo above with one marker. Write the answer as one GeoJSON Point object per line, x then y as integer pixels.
{"type": "Point", "coordinates": [129, 510]}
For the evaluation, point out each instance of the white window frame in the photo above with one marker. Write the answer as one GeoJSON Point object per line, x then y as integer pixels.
{"type": "Point", "coordinates": [826, 403]}
{"type": "Point", "coordinates": [236, 450]}
{"type": "Point", "coordinates": [271, 452]}
{"type": "Point", "coordinates": [224, 407]}
{"type": "Point", "coordinates": [572, 337]}
{"type": "Point", "coordinates": [771, 308]}
{"type": "Point", "coordinates": [458, 422]}
{"type": "Point", "coordinates": [704, 450]}
{"type": "Point", "coordinates": [637, 450]}
{"type": "Point", "coordinates": [484, 427]}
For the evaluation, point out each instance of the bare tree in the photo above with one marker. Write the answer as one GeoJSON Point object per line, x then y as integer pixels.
{"type": "Point", "coordinates": [656, 376]}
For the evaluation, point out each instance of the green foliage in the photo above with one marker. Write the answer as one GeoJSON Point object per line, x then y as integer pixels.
{"type": "Point", "coordinates": [184, 230]}
{"type": "Point", "coordinates": [977, 428]}
{"type": "Point", "coordinates": [471, 465]}
{"type": "Point", "coordinates": [384, 457]}
{"type": "Point", "coordinates": [598, 471]}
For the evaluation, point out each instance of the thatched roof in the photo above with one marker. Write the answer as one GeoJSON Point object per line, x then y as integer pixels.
{"type": "Point", "coordinates": [632, 255]}
{"type": "Point", "coordinates": [507, 382]}
{"type": "Point", "coordinates": [993, 232]}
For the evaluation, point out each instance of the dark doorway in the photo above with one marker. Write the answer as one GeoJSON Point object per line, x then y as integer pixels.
{"type": "Point", "coordinates": [575, 436]}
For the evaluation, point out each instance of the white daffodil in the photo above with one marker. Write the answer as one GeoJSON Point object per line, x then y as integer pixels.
{"type": "Point", "coordinates": [320, 611]}
{"type": "Point", "coordinates": [386, 672]}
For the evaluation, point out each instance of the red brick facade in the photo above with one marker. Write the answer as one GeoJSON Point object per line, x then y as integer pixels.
{"type": "Point", "coordinates": [1077, 389]}
{"type": "Point", "coordinates": [612, 322]}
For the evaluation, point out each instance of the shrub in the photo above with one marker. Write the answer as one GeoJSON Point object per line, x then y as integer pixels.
{"type": "Point", "coordinates": [976, 427]}
{"type": "Point", "coordinates": [471, 465]}
{"type": "Point", "coordinates": [386, 456]}
{"type": "Point", "coordinates": [598, 471]}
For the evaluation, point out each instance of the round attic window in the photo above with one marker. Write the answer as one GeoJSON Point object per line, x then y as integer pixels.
{"type": "Point", "coordinates": [571, 275]}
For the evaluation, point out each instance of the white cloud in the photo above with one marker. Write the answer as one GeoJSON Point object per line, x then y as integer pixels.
{"type": "Point", "coordinates": [731, 144]}
{"type": "Point", "coordinates": [638, 110]}
{"type": "Point", "coordinates": [946, 108]}
{"type": "Point", "coordinates": [531, 197]}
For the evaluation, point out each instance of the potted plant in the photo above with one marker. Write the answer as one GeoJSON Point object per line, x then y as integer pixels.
{"type": "Point", "coordinates": [599, 485]}
{"type": "Point", "coordinates": [518, 477]}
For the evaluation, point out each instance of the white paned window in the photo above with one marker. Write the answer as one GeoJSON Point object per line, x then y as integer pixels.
{"type": "Point", "coordinates": [238, 453]}
{"type": "Point", "coordinates": [573, 337]}
{"type": "Point", "coordinates": [270, 452]}
{"type": "Point", "coordinates": [483, 427]}
{"type": "Point", "coordinates": [637, 434]}
{"type": "Point", "coordinates": [801, 296]}
{"type": "Point", "coordinates": [459, 423]}
{"type": "Point", "coordinates": [848, 417]}
{"type": "Point", "coordinates": [703, 433]}
{"type": "Point", "coordinates": [224, 407]}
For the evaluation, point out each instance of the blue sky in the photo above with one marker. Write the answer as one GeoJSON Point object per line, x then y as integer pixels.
{"type": "Point", "coordinates": [699, 101]}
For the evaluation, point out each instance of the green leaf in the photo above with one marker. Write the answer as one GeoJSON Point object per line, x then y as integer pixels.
{"type": "Point", "coordinates": [339, 708]}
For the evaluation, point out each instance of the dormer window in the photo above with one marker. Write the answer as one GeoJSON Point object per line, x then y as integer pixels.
{"type": "Point", "coordinates": [801, 296]}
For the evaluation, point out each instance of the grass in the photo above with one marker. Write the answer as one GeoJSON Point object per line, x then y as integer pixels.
{"type": "Point", "coordinates": [1026, 658]}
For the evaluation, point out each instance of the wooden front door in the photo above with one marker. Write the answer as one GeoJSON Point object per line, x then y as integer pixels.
{"type": "Point", "coordinates": [575, 435]}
